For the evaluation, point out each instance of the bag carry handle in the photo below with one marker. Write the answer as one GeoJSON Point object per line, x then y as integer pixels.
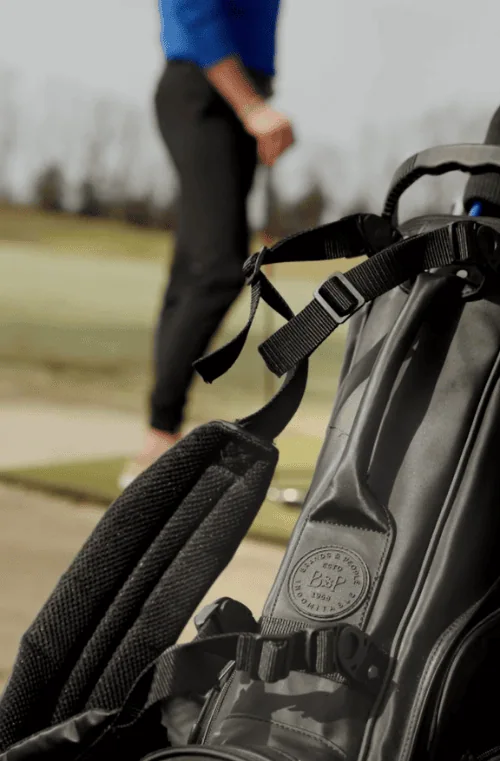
{"type": "Point", "coordinates": [472, 158]}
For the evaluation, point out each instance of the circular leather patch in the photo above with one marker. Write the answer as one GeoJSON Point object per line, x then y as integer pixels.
{"type": "Point", "coordinates": [329, 583]}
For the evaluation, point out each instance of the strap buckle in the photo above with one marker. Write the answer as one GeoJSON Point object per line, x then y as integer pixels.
{"type": "Point", "coordinates": [320, 650]}
{"type": "Point", "coordinates": [326, 299]}
{"type": "Point", "coordinates": [252, 265]}
{"type": "Point", "coordinates": [349, 651]}
{"type": "Point", "coordinates": [488, 244]}
{"type": "Point", "coordinates": [222, 616]}
{"type": "Point", "coordinates": [359, 659]}
{"type": "Point", "coordinates": [342, 649]}
{"type": "Point", "coordinates": [264, 657]}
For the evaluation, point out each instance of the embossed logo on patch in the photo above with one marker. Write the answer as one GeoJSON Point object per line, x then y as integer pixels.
{"type": "Point", "coordinates": [329, 583]}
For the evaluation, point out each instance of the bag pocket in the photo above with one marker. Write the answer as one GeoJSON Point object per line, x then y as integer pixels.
{"type": "Point", "coordinates": [465, 719]}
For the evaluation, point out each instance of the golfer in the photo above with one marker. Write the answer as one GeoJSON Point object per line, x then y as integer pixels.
{"type": "Point", "coordinates": [214, 118]}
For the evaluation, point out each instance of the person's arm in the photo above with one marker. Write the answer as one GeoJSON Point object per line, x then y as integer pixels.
{"type": "Point", "coordinates": [228, 77]}
{"type": "Point", "coordinates": [205, 23]}
{"type": "Point", "coordinates": [271, 129]}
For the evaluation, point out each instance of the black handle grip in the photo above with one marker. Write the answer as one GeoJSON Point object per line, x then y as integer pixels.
{"type": "Point", "coordinates": [471, 158]}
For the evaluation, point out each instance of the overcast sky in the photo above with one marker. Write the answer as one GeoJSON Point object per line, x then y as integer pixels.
{"type": "Point", "coordinates": [341, 62]}
{"type": "Point", "coordinates": [344, 66]}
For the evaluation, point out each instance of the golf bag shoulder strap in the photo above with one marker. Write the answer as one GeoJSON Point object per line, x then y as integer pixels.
{"type": "Point", "coordinates": [351, 237]}
{"type": "Point", "coordinates": [342, 294]}
{"type": "Point", "coordinates": [169, 535]}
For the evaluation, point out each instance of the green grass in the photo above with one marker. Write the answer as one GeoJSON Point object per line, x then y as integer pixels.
{"type": "Point", "coordinates": [81, 236]}
{"type": "Point", "coordinates": [96, 481]}
{"type": "Point", "coordinates": [78, 302]}
{"type": "Point", "coordinates": [96, 312]}
{"type": "Point", "coordinates": [75, 235]}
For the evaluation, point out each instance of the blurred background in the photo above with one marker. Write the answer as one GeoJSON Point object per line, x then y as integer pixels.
{"type": "Point", "coordinates": [88, 213]}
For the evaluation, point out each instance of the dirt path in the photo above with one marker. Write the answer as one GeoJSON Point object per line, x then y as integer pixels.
{"type": "Point", "coordinates": [39, 537]}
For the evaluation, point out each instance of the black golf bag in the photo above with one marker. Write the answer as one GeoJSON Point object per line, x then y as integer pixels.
{"type": "Point", "coordinates": [379, 638]}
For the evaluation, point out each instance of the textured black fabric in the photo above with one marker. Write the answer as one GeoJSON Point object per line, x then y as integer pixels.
{"type": "Point", "coordinates": [194, 570]}
{"type": "Point", "coordinates": [106, 618]}
{"type": "Point", "coordinates": [147, 577]}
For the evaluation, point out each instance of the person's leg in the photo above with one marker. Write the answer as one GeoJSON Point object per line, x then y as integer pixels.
{"type": "Point", "coordinates": [158, 440]}
{"type": "Point", "coordinates": [216, 162]}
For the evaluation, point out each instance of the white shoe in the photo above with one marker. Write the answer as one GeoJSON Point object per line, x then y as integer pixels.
{"type": "Point", "coordinates": [130, 472]}
{"type": "Point", "coordinates": [156, 446]}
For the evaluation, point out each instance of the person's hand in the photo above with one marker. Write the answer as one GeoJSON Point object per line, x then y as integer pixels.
{"type": "Point", "coordinates": [272, 130]}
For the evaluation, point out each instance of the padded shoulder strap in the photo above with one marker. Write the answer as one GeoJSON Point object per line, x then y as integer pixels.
{"type": "Point", "coordinates": [166, 538]}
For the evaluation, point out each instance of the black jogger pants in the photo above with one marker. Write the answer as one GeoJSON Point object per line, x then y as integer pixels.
{"type": "Point", "coordinates": [215, 159]}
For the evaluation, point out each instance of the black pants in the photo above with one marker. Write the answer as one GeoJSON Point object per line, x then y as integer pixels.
{"type": "Point", "coordinates": [216, 160]}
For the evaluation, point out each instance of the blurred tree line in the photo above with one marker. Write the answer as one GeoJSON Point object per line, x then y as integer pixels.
{"type": "Point", "coordinates": [102, 158]}
{"type": "Point", "coordinates": [283, 218]}
{"type": "Point", "coordinates": [49, 195]}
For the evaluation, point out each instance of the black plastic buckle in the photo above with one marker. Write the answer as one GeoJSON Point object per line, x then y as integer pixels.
{"type": "Point", "coordinates": [270, 658]}
{"type": "Point", "coordinates": [359, 660]}
{"type": "Point", "coordinates": [378, 232]}
{"type": "Point", "coordinates": [318, 659]}
{"type": "Point", "coordinates": [265, 658]}
{"type": "Point", "coordinates": [324, 298]}
{"type": "Point", "coordinates": [252, 265]}
{"type": "Point", "coordinates": [345, 649]}
{"type": "Point", "coordinates": [463, 240]}
{"type": "Point", "coordinates": [488, 244]}
{"type": "Point", "coordinates": [225, 616]}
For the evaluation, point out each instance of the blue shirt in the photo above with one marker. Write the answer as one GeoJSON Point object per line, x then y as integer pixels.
{"type": "Point", "coordinates": [206, 31]}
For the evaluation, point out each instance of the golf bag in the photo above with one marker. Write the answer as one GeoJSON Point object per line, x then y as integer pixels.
{"type": "Point", "coordinates": [378, 641]}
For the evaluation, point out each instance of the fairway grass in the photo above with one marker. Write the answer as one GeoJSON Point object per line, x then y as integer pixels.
{"type": "Point", "coordinates": [78, 304]}
{"type": "Point", "coordinates": [79, 236]}
{"type": "Point", "coordinates": [95, 481]}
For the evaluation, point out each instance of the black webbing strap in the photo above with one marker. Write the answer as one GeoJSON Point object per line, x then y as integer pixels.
{"type": "Point", "coordinates": [186, 670]}
{"type": "Point", "coordinates": [271, 419]}
{"type": "Point", "coordinates": [195, 668]}
{"type": "Point", "coordinates": [349, 237]}
{"type": "Point", "coordinates": [341, 295]}
{"type": "Point", "coordinates": [354, 236]}
{"type": "Point", "coordinates": [340, 649]}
